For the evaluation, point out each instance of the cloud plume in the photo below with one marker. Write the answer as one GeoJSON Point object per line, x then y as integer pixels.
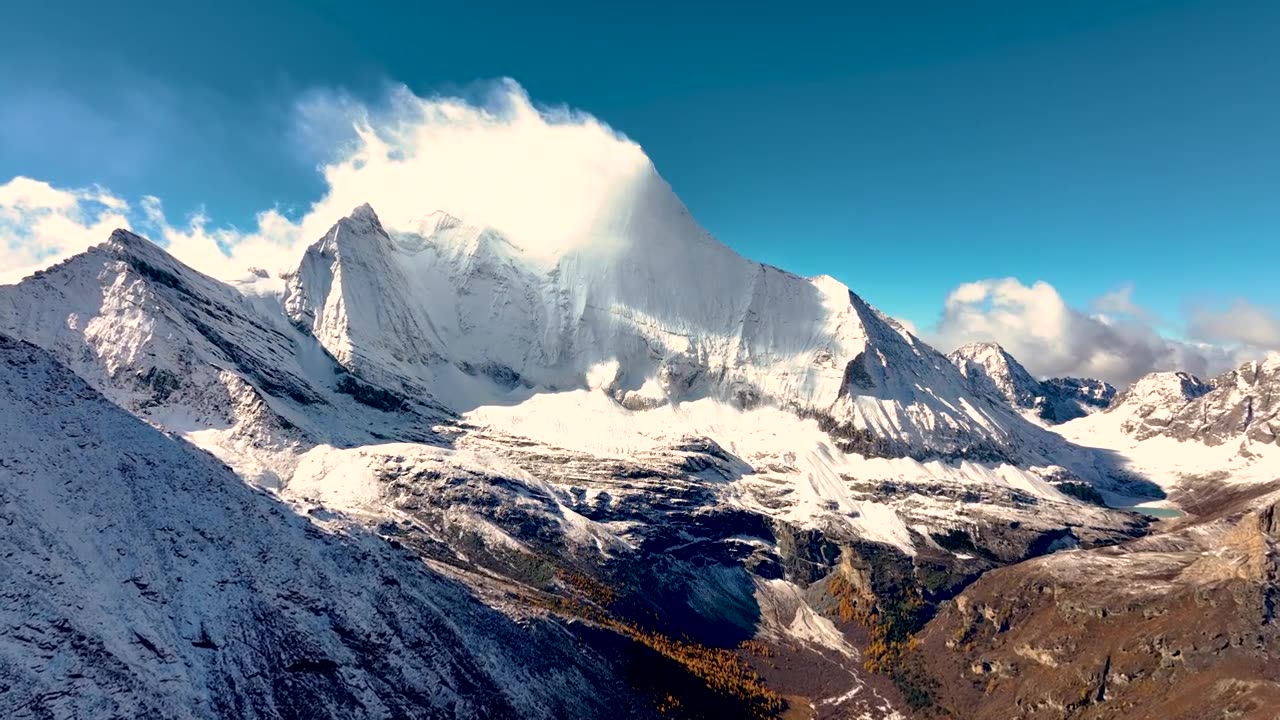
{"type": "Point", "coordinates": [540, 175]}
{"type": "Point", "coordinates": [1242, 324]}
{"type": "Point", "coordinates": [545, 176]}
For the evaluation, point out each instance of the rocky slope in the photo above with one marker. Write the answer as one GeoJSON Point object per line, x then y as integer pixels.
{"type": "Point", "coordinates": [1180, 624]}
{"type": "Point", "coordinates": [992, 372]}
{"type": "Point", "coordinates": [1241, 405]}
{"type": "Point", "coordinates": [143, 579]}
{"type": "Point", "coordinates": [1151, 403]}
{"type": "Point", "coordinates": [1177, 624]}
{"type": "Point", "coordinates": [737, 490]}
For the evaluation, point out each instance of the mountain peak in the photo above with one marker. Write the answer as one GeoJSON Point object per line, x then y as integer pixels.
{"type": "Point", "coordinates": [363, 217]}
{"type": "Point", "coordinates": [1091, 393]}
{"type": "Point", "coordinates": [364, 211]}
{"type": "Point", "coordinates": [1155, 398]}
{"type": "Point", "coordinates": [124, 237]}
{"type": "Point", "coordinates": [437, 221]}
{"type": "Point", "coordinates": [1241, 404]}
{"type": "Point", "coordinates": [991, 371]}
{"type": "Point", "coordinates": [678, 315]}
{"type": "Point", "coordinates": [976, 350]}
{"type": "Point", "coordinates": [150, 260]}
{"type": "Point", "coordinates": [354, 236]}
{"type": "Point", "coordinates": [1163, 387]}
{"type": "Point", "coordinates": [125, 242]}
{"type": "Point", "coordinates": [351, 293]}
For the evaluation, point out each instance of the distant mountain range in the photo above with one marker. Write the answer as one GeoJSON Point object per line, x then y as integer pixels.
{"type": "Point", "coordinates": [990, 370]}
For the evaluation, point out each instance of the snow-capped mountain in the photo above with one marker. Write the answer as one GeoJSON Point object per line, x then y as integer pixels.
{"type": "Point", "coordinates": [195, 356]}
{"type": "Point", "coordinates": [381, 338]}
{"type": "Point", "coordinates": [142, 578]}
{"type": "Point", "coordinates": [993, 372]}
{"type": "Point", "coordinates": [1151, 403]}
{"type": "Point", "coordinates": [669, 447]}
{"type": "Point", "coordinates": [658, 312]}
{"type": "Point", "coordinates": [1243, 402]}
{"type": "Point", "coordinates": [1197, 440]}
{"type": "Point", "coordinates": [1241, 405]}
{"type": "Point", "coordinates": [990, 370]}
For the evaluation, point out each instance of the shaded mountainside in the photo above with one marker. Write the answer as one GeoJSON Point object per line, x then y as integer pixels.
{"type": "Point", "coordinates": [143, 579]}
{"type": "Point", "coordinates": [1068, 398]}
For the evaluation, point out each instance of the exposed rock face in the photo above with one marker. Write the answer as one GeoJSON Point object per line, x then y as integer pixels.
{"type": "Point", "coordinates": [628, 457]}
{"type": "Point", "coordinates": [1244, 402]}
{"type": "Point", "coordinates": [994, 373]}
{"type": "Point", "coordinates": [1238, 405]}
{"type": "Point", "coordinates": [324, 391]}
{"type": "Point", "coordinates": [1154, 400]}
{"type": "Point", "coordinates": [1069, 398]}
{"type": "Point", "coordinates": [1177, 625]}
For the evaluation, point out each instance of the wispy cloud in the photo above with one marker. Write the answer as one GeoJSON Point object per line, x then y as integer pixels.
{"type": "Point", "coordinates": [1120, 303]}
{"type": "Point", "coordinates": [1242, 324]}
{"type": "Point", "coordinates": [539, 174]}
{"type": "Point", "coordinates": [1119, 341]}
{"type": "Point", "coordinates": [542, 175]}
{"type": "Point", "coordinates": [41, 224]}
{"type": "Point", "coordinates": [223, 252]}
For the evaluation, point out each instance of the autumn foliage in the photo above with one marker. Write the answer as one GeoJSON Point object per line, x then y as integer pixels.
{"type": "Point", "coordinates": [721, 670]}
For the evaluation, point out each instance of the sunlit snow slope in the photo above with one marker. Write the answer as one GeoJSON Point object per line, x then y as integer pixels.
{"type": "Point", "coordinates": [655, 312]}
{"type": "Point", "coordinates": [1180, 431]}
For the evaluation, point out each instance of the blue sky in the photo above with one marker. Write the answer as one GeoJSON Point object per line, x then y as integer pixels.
{"type": "Point", "coordinates": [905, 150]}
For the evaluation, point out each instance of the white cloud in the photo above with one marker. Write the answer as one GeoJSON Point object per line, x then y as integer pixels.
{"type": "Point", "coordinates": [226, 253]}
{"type": "Point", "coordinates": [1243, 324]}
{"type": "Point", "coordinates": [1118, 343]}
{"type": "Point", "coordinates": [544, 176]}
{"type": "Point", "coordinates": [41, 225]}
{"type": "Point", "coordinates": [908, 326]}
